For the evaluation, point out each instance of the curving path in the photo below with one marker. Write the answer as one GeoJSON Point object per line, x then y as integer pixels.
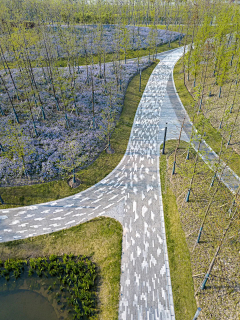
{"type": "Point", "coordinates": [131, 193]}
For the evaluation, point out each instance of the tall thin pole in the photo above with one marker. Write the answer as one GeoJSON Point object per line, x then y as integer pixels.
{"type": "Point", "coordinates": [164, 140]}
{"type": "Point", "coordinates": [140, 80]}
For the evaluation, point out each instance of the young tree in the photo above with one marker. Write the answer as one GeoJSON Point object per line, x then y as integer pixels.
{"type": "Point", "coordinates": [233, 218]}
{"type": "Point", "coordinates": [108, 116]}
{"type": "Point", "coordinates": [18, 148]}
{"type": "Point", "coordinates": [72, 158]}
{"type": "Point", "coordinates": [125, 42]}
{"type": "Point", "coordinates": [10, 99]}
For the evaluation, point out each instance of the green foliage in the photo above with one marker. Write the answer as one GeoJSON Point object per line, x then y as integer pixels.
{"type": "Point", "coordinates": [213, 136]}
{"type": "Point", "coordinates": [53, 257]}
{"type": "Point", "coordinates": [99, 169]}
{"type": "Point", "coordinates": [80, 243]}
{"type": "Point", "coordinates": [77, 275]}
{"type": "Point", "coordinates": [183, 220]}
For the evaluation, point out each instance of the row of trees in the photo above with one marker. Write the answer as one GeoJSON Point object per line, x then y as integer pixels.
{"type": "Point", "coordinates": [100, 11]}
{"type": "Point", "coordinates": [211, 74]}
{"type": "Point", "coordinates": [31, 129]}
{"type": "Point", "coordinates": [43, 85]}
{"type": "Point", "coordinates": [210, 217]}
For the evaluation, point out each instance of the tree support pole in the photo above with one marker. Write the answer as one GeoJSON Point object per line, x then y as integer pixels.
{"type": "Point", "coordinates": [197, 313]}
{"type": "Point", "coordinates": [164, 140]}
{"type": "Point", "coordinates": [188, 195]}
{"type": "Point", "coordinates": [1, 200]}
{"type": "Point", "coordinates": [140, 80]}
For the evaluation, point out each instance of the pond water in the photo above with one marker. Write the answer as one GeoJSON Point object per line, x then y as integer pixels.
{"type": "Point", "coordinates": [25, 305]}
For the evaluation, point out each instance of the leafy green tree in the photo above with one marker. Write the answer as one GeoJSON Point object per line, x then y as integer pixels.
{"type": "Point", "coordinates": [125, 42]}
{"type": "Point", "coordinates": [73, 157]}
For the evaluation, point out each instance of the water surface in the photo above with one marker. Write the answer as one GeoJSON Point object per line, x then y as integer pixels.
{"type": "Point", "coordinates": [25, 305]}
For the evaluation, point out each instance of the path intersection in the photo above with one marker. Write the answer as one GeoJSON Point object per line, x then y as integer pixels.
{"type": "Point", "coordinates": [131, 193]}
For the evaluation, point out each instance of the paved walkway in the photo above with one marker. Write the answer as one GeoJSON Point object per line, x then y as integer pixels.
{"type": "Point", "coordinates": [131, 193]}
{"type": "Point", "coordinates": [229, 178]}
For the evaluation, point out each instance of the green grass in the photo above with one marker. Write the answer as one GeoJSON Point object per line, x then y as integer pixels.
{"type": "Point", "coordinates": [105, 163]}
{"type": "Point", "coordinates": [171, 27]}
{"type": "Point", "coordinates": [183, 220]}
{"type": "Point", "coordinates": [179, 257]}
{"type": "Point", "coordinates": [213, 136]}
{"type": "Point", "coordinates": [100, 239]}
{"type": "Point", "coordinates": [130, 55]}
{"type": "Point", "coordinates": [63, 62]}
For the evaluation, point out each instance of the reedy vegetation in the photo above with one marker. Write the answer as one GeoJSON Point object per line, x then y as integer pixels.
{"type": "Point", "coordinates": [100, 240]}
{"type": "Point", "coordinates": [74, 280]}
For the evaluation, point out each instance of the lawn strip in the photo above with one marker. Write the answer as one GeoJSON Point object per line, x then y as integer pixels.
{"type": "Point", "coordinates": [178, 253]}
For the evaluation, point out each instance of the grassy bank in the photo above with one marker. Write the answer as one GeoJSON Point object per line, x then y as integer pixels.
{"type": "Point", "coordinates": [178, 253]}
{"type": "Point", "coordinates": [105, 163]}
{"type": "Point", "coordinates": [213, 136]}
{"type": "Point", "coordinates": [100, 239]}
{"type": "Point", "coordinates": [220, 298]}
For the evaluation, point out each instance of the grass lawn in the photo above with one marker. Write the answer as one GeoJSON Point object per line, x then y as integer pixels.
{"type": "Point", "coordinates": [220, 298]}
{"type": "Point", "coordinates": [213, 136]}
{"type": "Point", "coordinates": [178, 253]}
{"type": "Point", "coordinates": [100, 239]}
{"type": "Point", "coordinates": [105, 163]}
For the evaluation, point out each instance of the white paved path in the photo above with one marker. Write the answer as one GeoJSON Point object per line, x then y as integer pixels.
{"type": "Point", "coordinates": [131, 193]}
